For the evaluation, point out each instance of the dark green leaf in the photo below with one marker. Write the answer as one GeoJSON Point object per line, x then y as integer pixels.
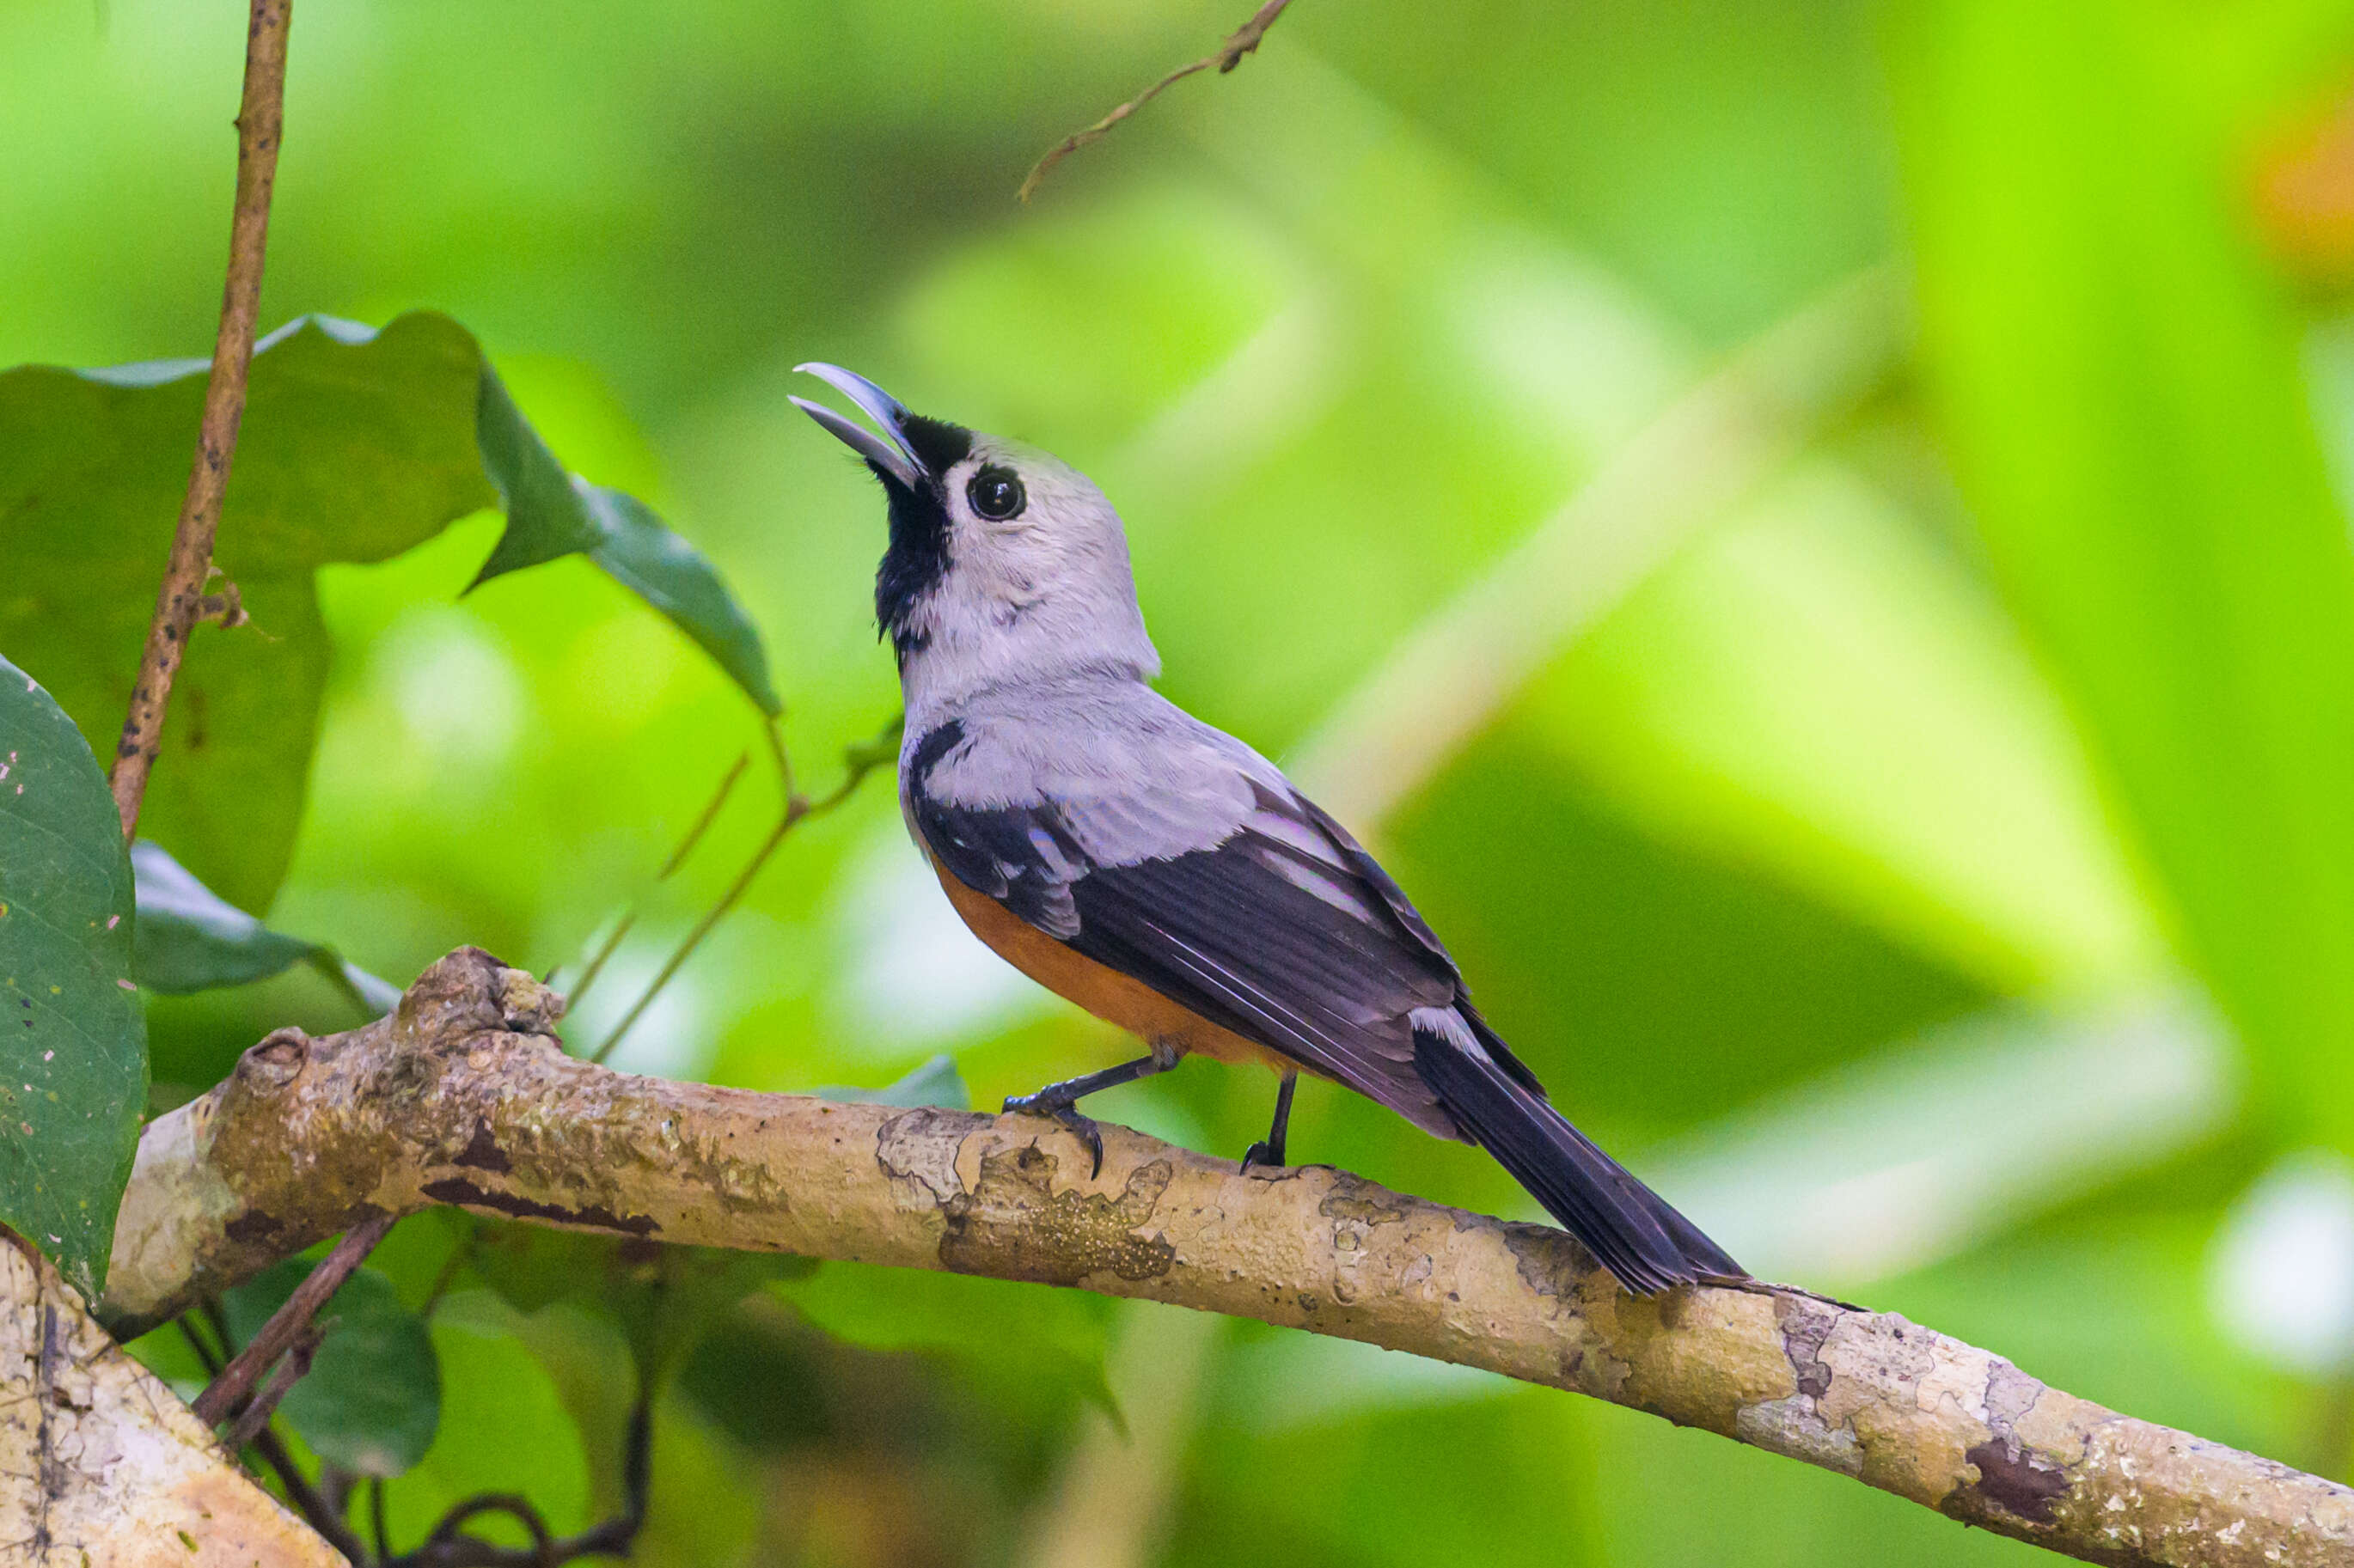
{"type": "Point", "coordinates": [663, 1298]}
{"type": "Point", "coordinates": [356, 445]}
{"type": "Point", "coordinates": [371, 1399]}
{"type": "Point", "coordinates": [995, 1323]}
{"type": "Point", "coordinates": [552, 513]}
{"type": "Point", "coordinates": [73, 1040]}
{"type": "Point", "coordinates": [937, 1083]}
{"type": "Point", "coordinates": [189, 939]}
{"type": "Point", "coordinates": [643, 555]}
{"type": "Point", "coordinates": [504, 1428]}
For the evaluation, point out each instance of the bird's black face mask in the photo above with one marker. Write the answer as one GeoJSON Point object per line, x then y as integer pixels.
{"type": "Point", "coordinates": [917, 553]}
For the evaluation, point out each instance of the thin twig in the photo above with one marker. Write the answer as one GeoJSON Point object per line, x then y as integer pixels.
{"type": "Point", "coordinates": [376, 1519]}
{"type": "Point", "coordinates": [306, 1498]}
{"type": "Point", "coordinates": [226, 1392]}
{"type": "Point", "coordinates": [335, 1486]}
{"type": "Point", "coordinates": [208, 1357]}
{"type": "Point", "coordinates": [703, 823]}
{"type": "Point", "coordinates": [1240, 42]}
{"type": "Point", "coordinates": [450, 1547]}
{"type": "Point", "coordinates": [513, 1504]}
{"type": "Point", "coordinates": [181, 599]}
{"type": "Point", "coordinates": [323, 1516]}
{"type": "Point", "coordinates": [858, 761]}
{"type": "Point", "coordinates": [447, 1274]}
{"type": "Point", "coordinates": [293, 1369]}
{"type": "Point", "coordinates": [596, 965]}
{"type": "Point", "coordinates": [710, 813]}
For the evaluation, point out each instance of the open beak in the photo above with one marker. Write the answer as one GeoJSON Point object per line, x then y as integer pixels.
{"type": "Point", "coordinates": [890, 452]}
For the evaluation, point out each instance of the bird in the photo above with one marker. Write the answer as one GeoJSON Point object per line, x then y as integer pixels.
{"type": "Point", "coordinates": [1159, 873]}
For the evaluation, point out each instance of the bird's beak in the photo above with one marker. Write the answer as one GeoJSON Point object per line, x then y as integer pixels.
{"type": "Point", "coordinates": [890, 454]}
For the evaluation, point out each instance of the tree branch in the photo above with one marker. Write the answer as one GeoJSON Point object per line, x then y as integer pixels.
{"type": "Point", "coordinates": [181, 600]}
{"type": "Point", "coordinates": [463, 1096]}
{"type": "Point", "coordinates": [1243, 40]}
{"type": "Point", "coordinates": [101, 1464]}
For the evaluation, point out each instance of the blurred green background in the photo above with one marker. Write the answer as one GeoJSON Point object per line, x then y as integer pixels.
{"type": "Point", "coordinates": [1878, 471]}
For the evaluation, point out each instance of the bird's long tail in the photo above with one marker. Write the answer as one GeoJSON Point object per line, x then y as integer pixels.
{"type": "Point", "coordinates": [1634, 1232]}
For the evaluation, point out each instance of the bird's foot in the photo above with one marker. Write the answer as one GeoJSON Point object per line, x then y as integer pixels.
{"type": "Point", "coordinates": [1262, 1153]}
{"type": "Point", "coordinates": [1055, 1107]}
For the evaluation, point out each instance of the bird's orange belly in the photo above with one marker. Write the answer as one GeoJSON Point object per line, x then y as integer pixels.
{"type": "Point", "coordinates": [1110, 995]}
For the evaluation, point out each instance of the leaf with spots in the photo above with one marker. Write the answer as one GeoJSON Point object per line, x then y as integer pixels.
{"type": "Point", "coordinates": [73, 1040]}
{"type": "Point", "coordinates": [356, 445]}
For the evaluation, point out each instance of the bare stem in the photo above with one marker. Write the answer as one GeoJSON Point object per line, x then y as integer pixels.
{"type": "Point", "coordinates": [225, 1393]}
{"type": "Point", "coordinates": [702, 824]}
{"type": "Point", "coordinates": [181, 599]}
{"type": "Point", "coordinates": [858, 762]}
{"type": "Point", "coordinates": [376, 1519]}
{"type": "Point", "coordinates": [449, 1546]}
{"type": "Point", "coordinates": [305, 1497]}
{"type": "Point", "coordinates": [1243, 40]}
{"type": "Point", "coordinates": [291, 1370]}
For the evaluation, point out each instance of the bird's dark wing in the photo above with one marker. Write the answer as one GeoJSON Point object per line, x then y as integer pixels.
{"type": "Point", "coordinates": [1282, 928]}
{"type": "Point", "coordinates": [1274, 931]}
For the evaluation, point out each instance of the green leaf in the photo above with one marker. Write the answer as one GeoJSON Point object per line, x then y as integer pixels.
{"type": "Point", "coordinates": [993, 1324]}
{"type": "Point", "coordinates": [552, 513]}
{"type": "Point", "coordinates": [937, 1083]}
{"type": "Point", "coordinates": [663, 1298]}
{"type": "Point", "coordinates": [73, 1040]}
{"type": "Point", "coordinates": [504, 1428]}
{"type": "Point", "coordinates": [371, 1399]}
{"type": "Point", "coordinates": [355, 446]}
{"type": "Point", "coordinates": [190, 939]}
{"type": "Point", "coordinates": [2122, 380]}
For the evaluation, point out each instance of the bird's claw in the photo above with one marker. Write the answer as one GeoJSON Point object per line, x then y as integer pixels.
{"type": "Point", "coordinates": [1262, 1153]}
{"type": "Point", "coordinates": [1082, 1127]}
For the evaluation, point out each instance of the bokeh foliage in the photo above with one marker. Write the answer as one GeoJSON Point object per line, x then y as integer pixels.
{"type": "Point", "coordinates": [2022, 696]}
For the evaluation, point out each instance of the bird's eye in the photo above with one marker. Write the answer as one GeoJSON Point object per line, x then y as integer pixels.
{"type": "Point", "coordinates": [996, 493]}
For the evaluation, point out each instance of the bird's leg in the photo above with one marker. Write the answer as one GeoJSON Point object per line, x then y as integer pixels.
{"type": "Point", "coordinates": [1060, 1101]}
{"type": "Point", "coordinates": [1268, 1151]}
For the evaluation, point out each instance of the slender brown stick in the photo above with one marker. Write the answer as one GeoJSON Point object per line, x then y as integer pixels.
{"type": "Point", "coordinates": [315, 1510]}
{"type": "Point", "coordinates": [450, 1547]}
{"type": "Point", "coordinates": [181, 599]}
{"type": "Point", "coordinates": [293, 1369]}
{"type": "Point", "coordinates": [702, 825]}
{"type": "Point", "coordinates": [860, 760]}
{"type": "Point", "coordinates": [1240, 42]}
{"type": "Point", "coordinates": [222, 1396]}
{"type": "Point", "coordinates": [376, 1519]}
{"type": "Point", "coordinates": [710, 813]}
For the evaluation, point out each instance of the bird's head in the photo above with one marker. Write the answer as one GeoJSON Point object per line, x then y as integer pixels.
{"type": "Point", "coordinates": [1004, 561]}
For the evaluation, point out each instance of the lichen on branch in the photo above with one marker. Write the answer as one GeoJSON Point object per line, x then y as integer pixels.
{"type": "Point", "coordinates": [462, 1096]}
